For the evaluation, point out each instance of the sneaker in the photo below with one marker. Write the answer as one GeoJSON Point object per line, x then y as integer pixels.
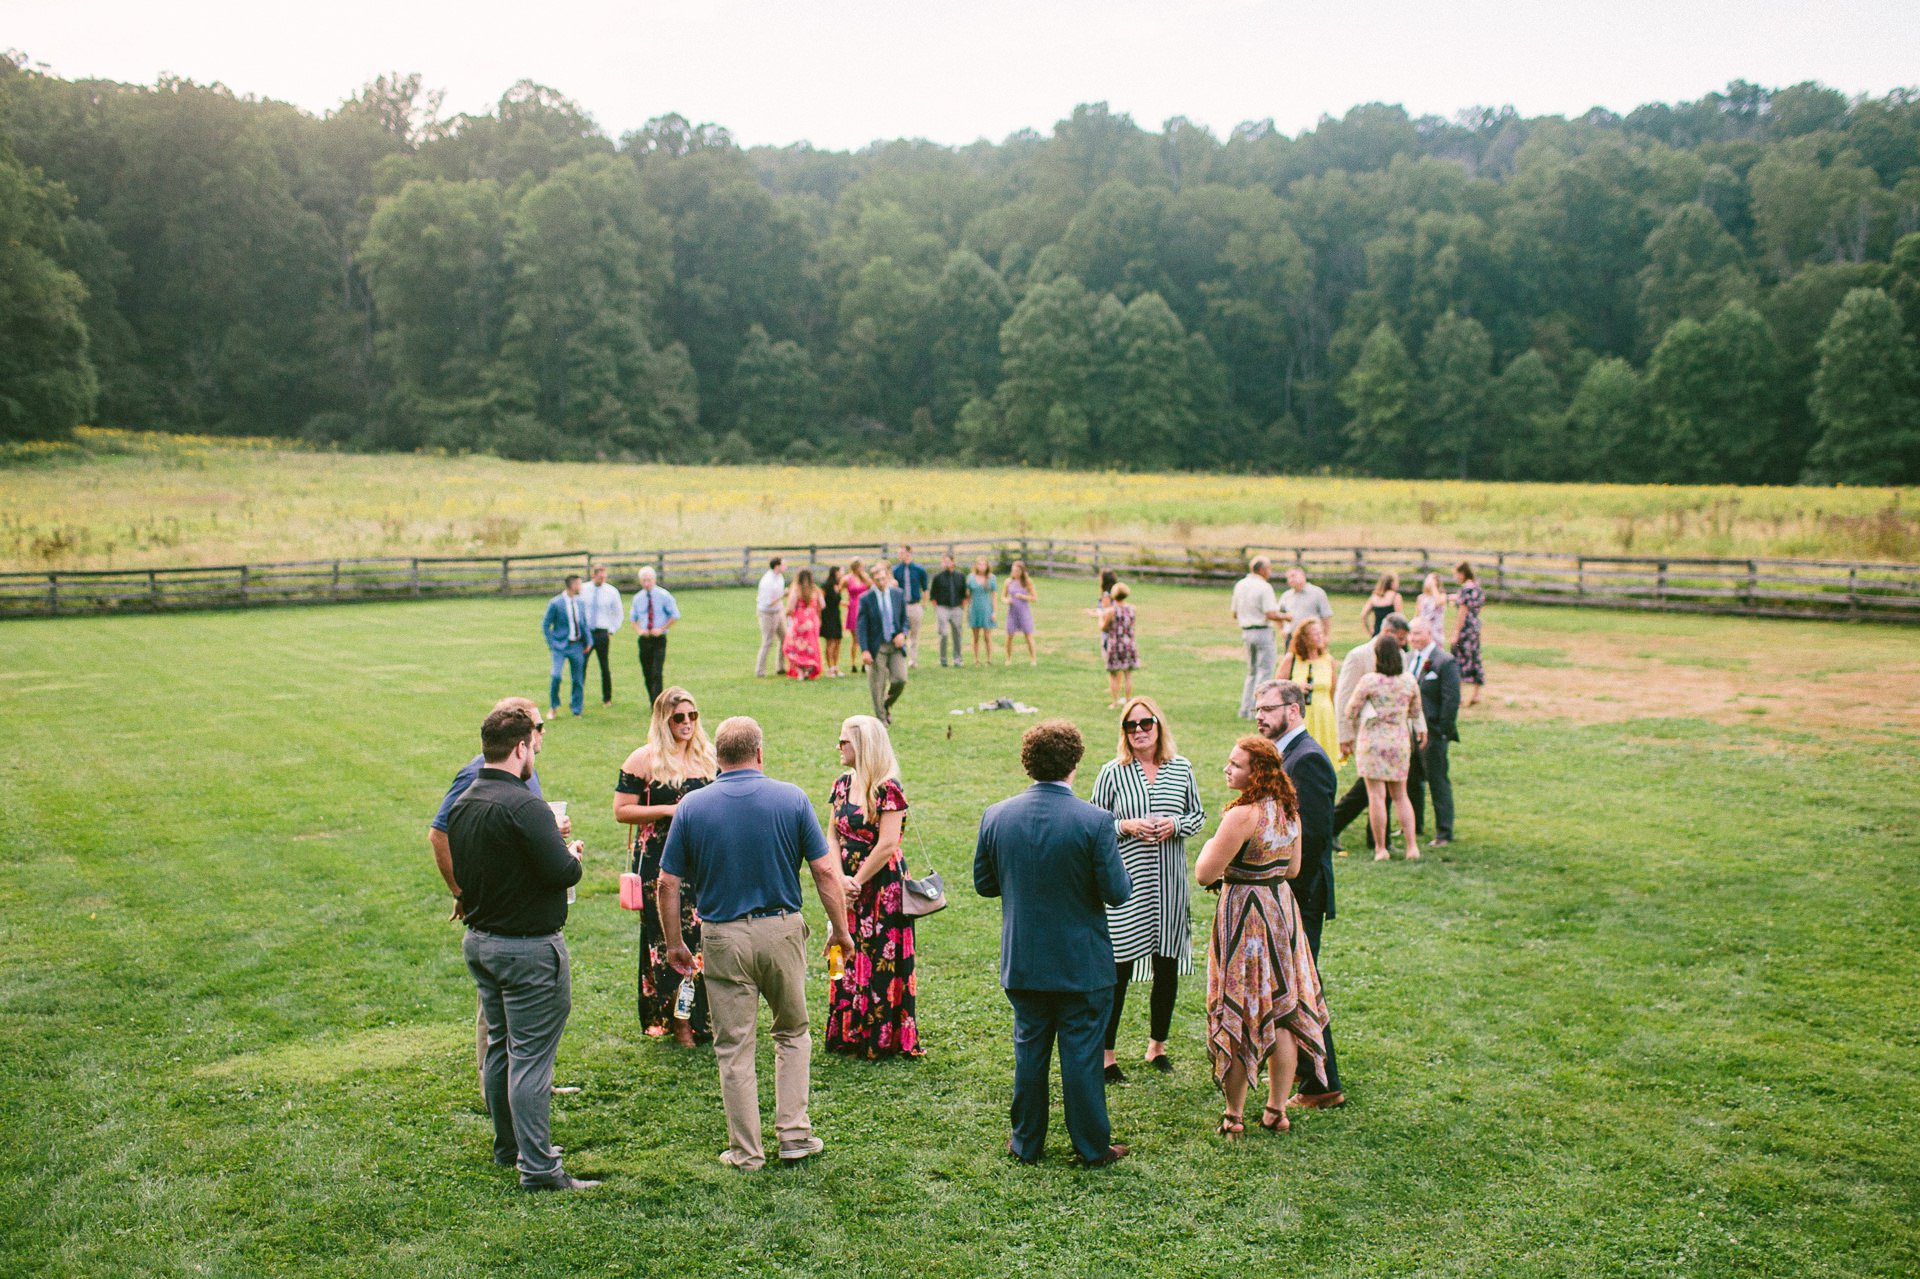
{"type": "Point", "coordinates": [804, 1150]}
{"type": "Point", "coordinates": [561, 1182]}
{"type": "Point", "coordinates": [734, 1160]}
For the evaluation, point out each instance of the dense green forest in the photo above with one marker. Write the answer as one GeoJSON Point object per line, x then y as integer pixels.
{"type": "Point", "coordinates": [1721, 290]}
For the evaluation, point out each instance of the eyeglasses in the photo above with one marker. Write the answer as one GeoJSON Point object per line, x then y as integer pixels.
{"type": "Point", "coordinates": [1274, 709]}
{"type": "Point", "coordinates": [684, 717]}
{"type": "Point", "coordinates": [1139, 725]}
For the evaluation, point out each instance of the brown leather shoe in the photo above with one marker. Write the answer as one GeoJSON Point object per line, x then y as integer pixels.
{"type": "Point", "coordinates": [1317, 1100]}
{"type": "Point", "coordinates": [1115, 1153]}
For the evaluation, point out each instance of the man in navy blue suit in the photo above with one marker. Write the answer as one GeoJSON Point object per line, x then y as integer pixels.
{"type": "Point", "coordinates": [1052, 860]}
{"type": "Point", "coordinates": [568, 638]}
{"type": "Point", "coordinates": [882, 631]}
{"type": "Point", "coordinates": [1280, 708]}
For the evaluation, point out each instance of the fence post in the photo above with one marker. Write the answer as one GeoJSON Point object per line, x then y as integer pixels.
{"type": "Point", "coordinates": [1499, 571]}
{"type": "Point", "coordinates": [1580, 575]}
{"type": "Point", "coordinates": [746, 566]}
{"type": "Point", "coordinates": [506, 575]}
{"type": "Point", "coordinates": [1359, 567]}
{"type": "Point", "coordinates": [1660, 583]}
{"type": "Point", "coordinates": [153, 588]}
{"type": "Point", "coordinates": [1853, 594]}
{"type": "Point", "coordinates": [1753, 582]}
{"type": "Point", "coordinates": [246, 584]}
{"type": "Point", "coordinates": [415, 583]}
{"type": "Point", "coordinates": [53, 594]}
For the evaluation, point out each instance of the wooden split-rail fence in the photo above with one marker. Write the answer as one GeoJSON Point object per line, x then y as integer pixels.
{"type": "Point", "coordinates": [1828, 589]}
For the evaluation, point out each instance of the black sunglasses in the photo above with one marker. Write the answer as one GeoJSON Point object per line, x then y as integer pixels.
{"type": "Point", "coordinates": [1139, 725]}
{"type": "Point", "coordinates": [684, 717]}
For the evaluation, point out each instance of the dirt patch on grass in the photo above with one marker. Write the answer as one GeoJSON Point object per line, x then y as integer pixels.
{"type": "Point", "coordinates": [1739, 676]}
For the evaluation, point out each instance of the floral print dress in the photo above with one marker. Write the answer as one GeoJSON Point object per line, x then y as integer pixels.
{"type": "Point", "coordinates": [870, 1009]}
{"type": "Point", "coordinates": [1466, 646]}
{"type": "Point", "coordinates": [659, 980]}
{"type": "Point", "coordinates": [1122, 655]}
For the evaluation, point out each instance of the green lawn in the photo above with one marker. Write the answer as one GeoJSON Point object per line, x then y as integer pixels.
{"type": "Point", "coordinates": [1656, 1014]}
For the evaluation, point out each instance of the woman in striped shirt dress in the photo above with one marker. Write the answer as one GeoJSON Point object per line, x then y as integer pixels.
{"type": "Point", "coordinates": [1156, 806]}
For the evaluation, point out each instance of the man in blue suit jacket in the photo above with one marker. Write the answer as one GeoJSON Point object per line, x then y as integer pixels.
{"type": "Point", "coordinates": [1280, 709]}
{"type": "Point", "coordinates": [881, 627]}
{"type": "Point", "coordinates": [1053, 862]}
{"type": "Point", "coordinates": [568, 639]}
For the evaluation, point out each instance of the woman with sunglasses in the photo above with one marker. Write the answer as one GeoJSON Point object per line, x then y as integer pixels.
{"type": "Point", "coordinates": [870, 1008]}
{"type": "Point", "coordinates": [1150, 791]}
{"type": "Point", "coordinates": [677, 760]}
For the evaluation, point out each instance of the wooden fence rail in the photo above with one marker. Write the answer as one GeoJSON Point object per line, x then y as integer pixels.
{"type": "Point", "coordinates": [1830, 589]}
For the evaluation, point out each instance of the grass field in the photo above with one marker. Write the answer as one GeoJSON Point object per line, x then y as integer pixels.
{"type": "Point", "coordinates": [1654, 1015]}
{"type": "Point", "coordinates": [122, 499]}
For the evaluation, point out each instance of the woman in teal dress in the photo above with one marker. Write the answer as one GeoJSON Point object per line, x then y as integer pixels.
{"type": "Point", "coordinates": [981, 584]}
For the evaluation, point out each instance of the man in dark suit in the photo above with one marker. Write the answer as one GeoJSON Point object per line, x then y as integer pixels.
{"type": "Point", "coordinates": [882, 631]}
{"type": "Point", "coordinates": [1280, 709]}
{"type": "Point", "coordinates": [1438, 677]}
{"type": "Point", "coordinates": [1052, 860]}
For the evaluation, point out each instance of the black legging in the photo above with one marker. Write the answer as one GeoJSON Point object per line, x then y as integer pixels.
{"type": "Point", "coordinates": [1166, 986]}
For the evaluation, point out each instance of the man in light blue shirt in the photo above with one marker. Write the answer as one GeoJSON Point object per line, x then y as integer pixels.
{"type": "Point", "coordinates": [654, 614]}
{"type": "Point", "coordinates": [569, 636]}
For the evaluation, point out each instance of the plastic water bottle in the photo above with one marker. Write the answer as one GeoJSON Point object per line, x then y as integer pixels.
{"type": "Point", "coordinates": [683, 1004]}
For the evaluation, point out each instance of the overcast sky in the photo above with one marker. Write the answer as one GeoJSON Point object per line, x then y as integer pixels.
{"type": "Point", "coordinates": [843, 74]}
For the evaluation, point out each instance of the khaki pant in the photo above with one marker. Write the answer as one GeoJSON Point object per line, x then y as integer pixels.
{"type": "Point", "coordinates": [886, 680]}
{"type": "Point", "coordinates": [914, 613]}
{"type": "Point", "coordinates": [747, 960]}
{"type": "Point", "coordinates": [773, 635]}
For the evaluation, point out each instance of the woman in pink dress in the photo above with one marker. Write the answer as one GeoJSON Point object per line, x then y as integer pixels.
{"type": "Point", "coordinates": [856, 583]}
{"type": "Point", "coordinates": [802, 649]}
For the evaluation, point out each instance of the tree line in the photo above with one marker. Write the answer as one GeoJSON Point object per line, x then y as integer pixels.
{"type": "Point", "coordinates": [1725, 290]}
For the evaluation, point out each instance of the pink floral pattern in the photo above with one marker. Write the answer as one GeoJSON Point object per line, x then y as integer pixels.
{"type": "Point", "coordinates": [870, 1009]}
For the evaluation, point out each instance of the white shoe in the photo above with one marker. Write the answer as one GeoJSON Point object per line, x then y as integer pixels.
{"type": "Point", "coordinates": [805, 1150]}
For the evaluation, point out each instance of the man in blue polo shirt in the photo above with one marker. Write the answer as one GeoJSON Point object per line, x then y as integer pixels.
{"type": "Point", "coordinates": [912, 580]}
{"type": "Point", "coordinates": [738, 845]}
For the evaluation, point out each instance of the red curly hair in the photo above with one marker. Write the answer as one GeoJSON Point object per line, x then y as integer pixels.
{"type": "Point", "coordinates": [1269, 781]}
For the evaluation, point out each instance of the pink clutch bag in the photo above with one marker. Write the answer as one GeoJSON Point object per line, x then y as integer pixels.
{"type": "Point", "coordinates": [630, 891]}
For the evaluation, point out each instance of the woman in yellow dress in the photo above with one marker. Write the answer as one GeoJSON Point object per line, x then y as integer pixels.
{"type": "Point", "coordinates": [1309, 665]}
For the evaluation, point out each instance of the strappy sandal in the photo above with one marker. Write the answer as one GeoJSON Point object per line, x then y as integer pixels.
{"type": "Point", "coordinates": [1281, 1113]}
{"type": "Point", "coordinates": [1231, 1126]}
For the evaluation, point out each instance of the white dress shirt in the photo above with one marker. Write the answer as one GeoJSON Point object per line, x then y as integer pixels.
{"type": "Point", "coordinates": [603, 606]}
{"type": "Point", "coordinates": [773, 585]}
{"type": "Point", "coordinates": [1252, 601]}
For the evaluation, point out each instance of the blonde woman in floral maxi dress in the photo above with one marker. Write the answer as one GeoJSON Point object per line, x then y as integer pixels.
{"type": "Point", "coordinates": [1264, 1004]}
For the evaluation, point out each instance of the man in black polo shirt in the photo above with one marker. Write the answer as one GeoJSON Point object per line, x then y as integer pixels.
{"type": "Point", "coordinates": [949, 591]}
{"type": "Point", "coordinates": [514, 869]}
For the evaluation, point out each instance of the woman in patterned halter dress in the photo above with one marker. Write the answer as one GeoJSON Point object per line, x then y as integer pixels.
{"type": "Point", "coordinates": [677, 760]}
{"type": "Point", "coordinates": [1264, 1004]}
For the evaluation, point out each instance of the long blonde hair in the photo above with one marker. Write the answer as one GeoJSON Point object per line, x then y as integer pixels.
{"type": "Point", "coordinates": [874, 764]}
{"type": "Point", "coordinates": [1163, 735]}
{"type": "Point", "coordinates": [1431, 586]}
{"type": "Point", "coordinates": [666, 751]}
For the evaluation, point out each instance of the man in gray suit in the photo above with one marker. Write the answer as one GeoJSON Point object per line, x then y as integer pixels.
{"type": "Point", "coordinates": [1438, 676]}
{"type": "Point", "coordinates": [1052, 860]}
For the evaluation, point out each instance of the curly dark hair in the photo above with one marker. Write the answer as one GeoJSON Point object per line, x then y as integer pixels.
{"type": "Point", "coordinates": [503, 730]}
{"type": "Point", "coordinates": [1051, 750]}
{"type": "Point", "coordinates": [1270, 780]}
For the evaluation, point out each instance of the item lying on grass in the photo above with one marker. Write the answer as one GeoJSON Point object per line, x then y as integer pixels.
{"type": "Point", "coordinates": [998, 704]}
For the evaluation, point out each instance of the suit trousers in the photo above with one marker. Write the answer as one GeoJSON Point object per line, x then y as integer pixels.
{"type": "Point", "coordinates": [773, 635]}
{"type": "Point", "coordinates": [606, 671]}
{"type": "Point", "coordinates": [653, 665]}
{"type": "Point", "coordinates": [749, 960]}
{"type": "Point", "coordinates": [1077, 1020]}
{"type": "Point", "coordinates": [1261, 657]}
{"type": "Point", "coordinates": [1310, 921]}
{"type": "Point", "coordinates": [915, 612]}
{"type": "Point", "coordinates": [574, 659]}
{"type": "Point", "coordinates": [1354, 804]}
{"type": "Point", "coordinates": [526, 992]}
{"type": "Point", "coordinates": [1429, 768]}
{"type": "Point", "coordinates": [886, 680]}
{"type": "Point", "coordinates": [951, 620]}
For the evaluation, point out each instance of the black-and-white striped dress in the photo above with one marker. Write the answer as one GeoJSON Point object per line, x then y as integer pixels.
{"type": "Point", "coordinates": [1154, 920]}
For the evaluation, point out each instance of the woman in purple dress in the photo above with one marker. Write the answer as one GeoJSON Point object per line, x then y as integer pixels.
{"type": "Point", "coordinates": [1466, 630]}
{"type": "Point", "coordinates": [870, 1008]}
{"type": "Point", "coordinates": [1020, 598]}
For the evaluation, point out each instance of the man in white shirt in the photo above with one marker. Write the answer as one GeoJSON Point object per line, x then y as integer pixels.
{"type": "Point", "coordinates": [1256, 611]}
{"type": "Point", "coordinates": [1301, 600]}
{"type": "Point", "coordinates": [773, 618]}
{"type": "Point", "coordinates": [603, 615]}
{"type": "Point", "coordinates": [654, 613]}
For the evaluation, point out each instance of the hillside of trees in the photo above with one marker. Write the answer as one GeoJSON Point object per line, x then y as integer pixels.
{"type": "Point", "coordinates": [1725, 290]}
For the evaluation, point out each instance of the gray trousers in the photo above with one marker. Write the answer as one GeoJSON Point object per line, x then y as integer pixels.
{"type": "Point", "coordinates": [887, 679]}
{"type": "Point", "coordinates": [914, 613]}
{"type": "Point", "coordinates": [526, 992]}
{"type": "Point", "coordinates": [1260, 661]}
{"type": "Point", "coordinates": [773, 634]}
{"type": "Point", "coordinates": [951, 620]}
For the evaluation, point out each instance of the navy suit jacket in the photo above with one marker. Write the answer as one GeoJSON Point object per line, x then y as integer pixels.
{"type": "Point", "coordinates": [554, 624]}
{"type": "Point", "coordinates": [869, 623]}
{"type": "Point", "coordinates": [1314, 782]}
{"type": "Point", "coordinates": [1052, 860]}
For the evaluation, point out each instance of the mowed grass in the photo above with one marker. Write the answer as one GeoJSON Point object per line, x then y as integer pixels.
{"type": "Point", "coordinates": [1654, 1015]}
{"type": "Point", "coordinates": [121, 499]}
